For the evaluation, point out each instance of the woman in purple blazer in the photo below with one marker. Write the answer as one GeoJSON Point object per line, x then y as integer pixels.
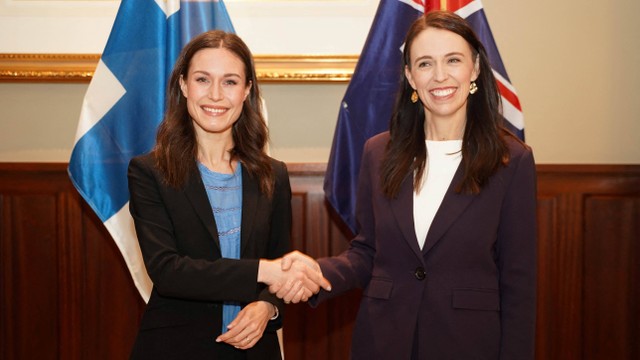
{"type": "Point", "coordinates": [446, 209]}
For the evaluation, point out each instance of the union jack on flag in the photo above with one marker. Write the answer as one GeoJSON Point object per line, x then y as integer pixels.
{"type": "Point", "coordinates": [367, 104]}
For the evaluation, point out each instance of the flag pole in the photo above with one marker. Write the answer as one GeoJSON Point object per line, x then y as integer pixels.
{"type": "Point", "coordinates": [443, 4]}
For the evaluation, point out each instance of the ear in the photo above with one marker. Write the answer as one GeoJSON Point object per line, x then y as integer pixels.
{"type": "Point", "coordinates": [407, 74]}
{"type": "Point", "coordinates": [476, 69]}
{"type": "Point", "coordinates": [183, 86]}
{"type": "Point", "coordinates": [247, 90]}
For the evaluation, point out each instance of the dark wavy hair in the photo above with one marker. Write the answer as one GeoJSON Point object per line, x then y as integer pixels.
{"type": "Point", "coordinates": [484, 147]}
{"type": "Point", "coordinates": [176, 145]}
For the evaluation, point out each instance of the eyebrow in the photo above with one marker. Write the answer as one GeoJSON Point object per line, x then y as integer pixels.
{"type": "Point", "coordinates": [454, 53]}
{"type": "Point", "coordinates": [209, 74]}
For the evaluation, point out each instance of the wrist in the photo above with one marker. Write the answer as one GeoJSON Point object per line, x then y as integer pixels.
{"type": "Point", "coordinates": [276, 312]}
{"type": "Point", "coordinates": [265, 271]}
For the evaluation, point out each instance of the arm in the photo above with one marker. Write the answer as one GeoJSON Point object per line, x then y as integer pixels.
{"type": "Point", "coordinates": [248, 327]}
{"type": "Point", "coordinates": [178, 251]}
{"type": "Point", "coordinates": [302, 281]}
{"type": "Point", "coordinates": [352, 268]}
{"type": "Point", "coordinates": [517, 261]}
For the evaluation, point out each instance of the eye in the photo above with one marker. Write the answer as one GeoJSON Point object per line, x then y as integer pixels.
{"type": "Point", "coordinates": [202, 79]}
{"type": "Point", "coordinates": [454, 60]}
{"type": "Point", "coordinates": [422, 64]}
{"type": "Point", "coordinates": [230, 82]}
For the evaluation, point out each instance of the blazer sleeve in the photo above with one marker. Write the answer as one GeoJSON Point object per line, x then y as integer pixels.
{"type": "Point", "coordinates": [180, 261]}
{"type": "Point", "coordinates": [353, 268]}
{"type": "Point", "coordinates": [280, 231]}
{"type": "Point", "coordinates": [517, 260]}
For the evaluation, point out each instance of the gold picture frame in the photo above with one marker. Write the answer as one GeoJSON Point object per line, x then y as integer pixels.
{"type": "Point", "coordinates": [78, 68]}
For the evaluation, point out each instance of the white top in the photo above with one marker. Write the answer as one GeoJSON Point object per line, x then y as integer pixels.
{"type": "Point", "coordinates": [443, 158]}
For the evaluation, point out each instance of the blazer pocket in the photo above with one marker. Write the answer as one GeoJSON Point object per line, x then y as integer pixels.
{"type": "Point", "coordinates": [476, 299]}
{"type": "Point", "coordinates": [379, 288]}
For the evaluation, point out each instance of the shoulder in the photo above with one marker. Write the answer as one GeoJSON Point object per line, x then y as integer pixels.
{"type": "Point", "coordinates": [145, 160]}
{"type": "Point", "coordinates": [517, 149]}
{"type": "Point", "coordinates": [142, 163]}
{"type": "Point", "coordinates": [377, 143]}
{"type": "Point", "coordinates": [279, 168]}
{"type": "Point", "coordinates": [380, 139]}
{"type": "Point", "coordinates": [521, 160]}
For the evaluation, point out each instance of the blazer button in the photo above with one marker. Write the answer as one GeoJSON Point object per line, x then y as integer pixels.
{"type": "Point", "coordinates": [420, 274]}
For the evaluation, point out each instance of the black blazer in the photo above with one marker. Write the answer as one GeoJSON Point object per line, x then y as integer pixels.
{"type": "Point", "coordinates": [177, 234]}
{"type": "Point", "coordinates": [469, 293]}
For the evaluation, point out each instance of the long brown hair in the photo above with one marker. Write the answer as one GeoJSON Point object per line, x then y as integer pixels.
{"type": "Point", "coordinates": [176, 145]}
{"type": "Point", "coordinates": [484, 148]}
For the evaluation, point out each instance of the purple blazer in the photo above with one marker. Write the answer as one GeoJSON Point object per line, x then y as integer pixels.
{"type": "Point", "coordinates": [470, 293]}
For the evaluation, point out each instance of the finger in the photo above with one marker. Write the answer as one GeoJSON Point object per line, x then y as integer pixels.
{"type": "Point", "coordinates": [247, 343]}
{"type": "Point", "coordinates": [275, 288]}
{"type": "Point", "coordinates": [311, 280]}
{"type": "Point", "coordinates": [318, 280]}
{"type": "Point", "coordinates": [289, 296]}
{"type": "Point", "coordinates": [293, 292]}
{"type": "Point", "coordinates": [325, 284]}
{"type": "Point", "coordinates": [230, 337]}
{"type": "Point", "coordinates": [298, 296]}
{"type": "Point", "coordinates": [285, 289]}
{"type": "Point", "coordinates": [286, 262]}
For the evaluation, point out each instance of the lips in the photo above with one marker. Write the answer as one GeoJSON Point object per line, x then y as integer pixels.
{"type": "Point", "coordinates": [442, 92]}
{"type": "Point", "coordinates": [214, 110]}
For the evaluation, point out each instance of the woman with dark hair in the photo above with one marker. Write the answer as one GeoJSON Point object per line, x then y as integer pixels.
{"type": "Point", "coordinates": [210, 209]}
{"type": "Point", "coordinates": [446, 209]}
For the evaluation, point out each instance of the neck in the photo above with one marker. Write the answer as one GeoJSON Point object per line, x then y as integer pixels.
{"type": "Point", "coordinates": [444, 129]}
{"type": "Point", "coordinates": [215, 154]}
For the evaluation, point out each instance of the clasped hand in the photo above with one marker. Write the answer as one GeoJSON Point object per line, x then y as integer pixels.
{"type": "Point", "coordinates": [295, 277]}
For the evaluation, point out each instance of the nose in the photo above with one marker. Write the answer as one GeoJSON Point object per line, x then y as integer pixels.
{"type": "Point", "coordinates": [215, 92]}
{"type": "Point", "coordinates": [441, 73]}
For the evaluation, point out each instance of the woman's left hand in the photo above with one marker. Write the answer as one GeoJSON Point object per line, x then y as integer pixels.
{"type": "Point", "coordinates": [247, 328]}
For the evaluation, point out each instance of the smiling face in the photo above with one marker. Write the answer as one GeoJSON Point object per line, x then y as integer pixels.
{"type": "Point", "coordinates": [215, 88]}
{"type": "Point", "coordinates": [441, 69]}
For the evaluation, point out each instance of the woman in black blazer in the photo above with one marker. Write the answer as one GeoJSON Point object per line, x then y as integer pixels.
{"type": "Point", "coordinates": [210, 208]}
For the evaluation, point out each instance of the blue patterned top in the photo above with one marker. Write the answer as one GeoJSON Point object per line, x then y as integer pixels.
{"type": "Point", "coordinates": [225, 196]}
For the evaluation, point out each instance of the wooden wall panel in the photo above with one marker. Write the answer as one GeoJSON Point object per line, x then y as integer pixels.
{"type": "Point", "coordinates": [589, 261]}
{"type": "Point", "coordinates": [66, 292]}
{"type": "Point", "coordinates": [611, 307]}
{"type": "Point", "coordinates": [558, 334]}
{"type": "Point", "coordinates": [317, 233]}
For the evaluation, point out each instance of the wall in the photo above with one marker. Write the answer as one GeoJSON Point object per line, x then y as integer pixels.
{"type": "Point", "coordinates": [573, 63]}
{"type": "Point", "coordinates": [77, 300]}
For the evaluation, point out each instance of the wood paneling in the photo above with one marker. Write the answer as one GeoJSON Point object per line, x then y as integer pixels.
{"type": "Point", "coordinates": [588, 262]}
{"type": "Point", "coordinates": [66, 292]}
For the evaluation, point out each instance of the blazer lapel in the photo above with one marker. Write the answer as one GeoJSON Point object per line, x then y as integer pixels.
{"type": "Point", "coordinates": [402, 209]}
{"type": "Point", "coordinates": [453, 204]}
{"type": "Point", "coordinates": [250, 195]}
{"type": "Point", "coordinates": [197, 195]}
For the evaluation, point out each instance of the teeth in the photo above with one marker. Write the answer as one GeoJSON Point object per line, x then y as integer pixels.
{"type": "Point", "coordinates": [442, 92]}
{"type": "Point", "coordinates": [215, 111]}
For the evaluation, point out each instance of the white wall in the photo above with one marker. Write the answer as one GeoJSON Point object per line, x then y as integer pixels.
{"type": "Point", "coordinates": [574, 63]}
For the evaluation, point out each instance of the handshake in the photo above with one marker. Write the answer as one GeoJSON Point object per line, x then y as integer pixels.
{"type": "Point", "coordinates": [294, 277]}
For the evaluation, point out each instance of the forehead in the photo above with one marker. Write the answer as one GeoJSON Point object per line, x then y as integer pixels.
{"type": "Point", "coordinates": [438, 42]}
{"type": "Point", "coordinates": [216, 60]}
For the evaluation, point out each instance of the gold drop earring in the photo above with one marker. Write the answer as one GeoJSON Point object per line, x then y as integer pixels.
{"type": "Point", "coordinates": [473, 88]}
{"type": "Point", "coordinates": [414, 97]}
